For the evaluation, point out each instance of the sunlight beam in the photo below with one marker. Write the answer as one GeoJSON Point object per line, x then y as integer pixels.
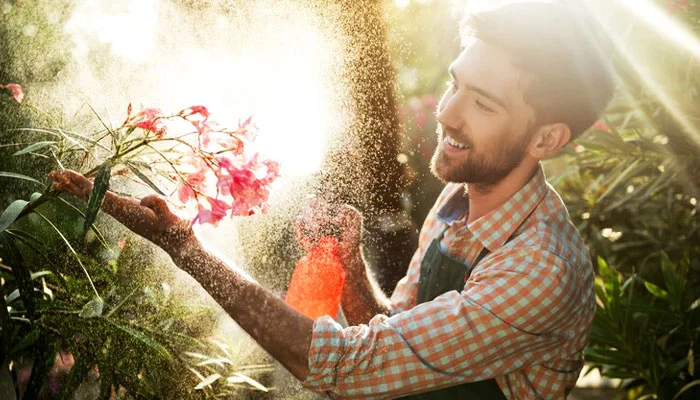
{"type": "Point", "coordinates": [659, 20]}
{"type": "Point", "coordinates": [646, 76]}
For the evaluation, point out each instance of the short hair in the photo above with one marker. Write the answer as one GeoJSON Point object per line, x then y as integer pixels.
{"type": "Point", "coordinates": [572, 81]}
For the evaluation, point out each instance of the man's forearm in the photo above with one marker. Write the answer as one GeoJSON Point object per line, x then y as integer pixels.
{"type": "Point", "coordinates": [279, 329]}
{"type": "Point", "coordinates": [362, 298]}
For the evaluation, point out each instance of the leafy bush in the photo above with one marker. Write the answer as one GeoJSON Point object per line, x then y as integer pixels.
{"type": "Point", "coordinates": [631, 185]}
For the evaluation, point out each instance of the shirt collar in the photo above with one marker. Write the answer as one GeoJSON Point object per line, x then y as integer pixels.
{"type": "Point", "coordinates": [496, 227]}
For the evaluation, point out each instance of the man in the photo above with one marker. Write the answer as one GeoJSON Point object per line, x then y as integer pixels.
{"type": "Point", "coordinates": [498, 299]}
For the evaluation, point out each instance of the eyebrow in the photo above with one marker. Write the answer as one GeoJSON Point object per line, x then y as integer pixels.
{"type": "Point", "coordinates": [481, 91]}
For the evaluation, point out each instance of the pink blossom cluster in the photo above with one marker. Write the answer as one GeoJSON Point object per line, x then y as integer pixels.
{"type": "Point", "coordinates": [216, 173]}
{"type": "Point", "coordinates": [17, 92]}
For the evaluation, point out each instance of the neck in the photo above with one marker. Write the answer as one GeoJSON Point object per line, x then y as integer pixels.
{"type": "Point", "coordinates": [486, 198]}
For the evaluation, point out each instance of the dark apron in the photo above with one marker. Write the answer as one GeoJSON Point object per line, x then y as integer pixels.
{"type": "Point", "coordinates": [440, 273]}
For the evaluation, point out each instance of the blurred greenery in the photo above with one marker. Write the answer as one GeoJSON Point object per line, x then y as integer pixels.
{"type": "Point", "coordinates": [87, 314]}
{"type": "Point", "coordinates": [632, 187]}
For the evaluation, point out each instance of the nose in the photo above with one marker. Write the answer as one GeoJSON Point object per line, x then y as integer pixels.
{"type": "Point", "coordinates": [448, 113]}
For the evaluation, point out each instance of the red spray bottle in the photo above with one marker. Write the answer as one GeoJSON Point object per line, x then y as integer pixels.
{"type": "Point", "coordinates": [317, 280]}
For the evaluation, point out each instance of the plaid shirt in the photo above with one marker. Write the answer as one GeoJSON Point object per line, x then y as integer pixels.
{"type": "Point", "coordinates": [523, 317]}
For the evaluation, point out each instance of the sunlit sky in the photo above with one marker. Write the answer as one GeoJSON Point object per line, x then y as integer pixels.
{"type": "Point", "coordinates": [284, 79]}
{"type": "Point", "coordinates": [276, 69]}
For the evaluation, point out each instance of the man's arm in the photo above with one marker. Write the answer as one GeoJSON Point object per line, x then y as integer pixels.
{"type": "Point", "coordinates": [519, 313]}
{"type": "Point", "coordinates": [362, 297]}
{"type": "Point", "coordinates": [279, 329]}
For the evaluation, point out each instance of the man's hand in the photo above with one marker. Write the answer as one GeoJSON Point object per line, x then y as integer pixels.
{"type": "Point", "coordinates": [362, 298]}
{"type": "Point", "coordinates": [150, 218]}
{"type": "Point", "coordinates": [261, 313]}
{"type": "Point", "coordinates": [319, 218]}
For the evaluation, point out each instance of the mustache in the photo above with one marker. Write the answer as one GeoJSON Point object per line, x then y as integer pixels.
{"type": "Point", "coordinates": [442, 130]}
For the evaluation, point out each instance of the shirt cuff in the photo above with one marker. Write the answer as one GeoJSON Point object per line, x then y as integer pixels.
{"type": "Point", "coordinates": [327, 347]}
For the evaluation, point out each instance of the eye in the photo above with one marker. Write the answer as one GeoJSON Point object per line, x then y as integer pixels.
{"type": "Point", "coordinates": [484, 107]}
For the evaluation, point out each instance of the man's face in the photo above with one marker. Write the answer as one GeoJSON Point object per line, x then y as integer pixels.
{"type": "Point", "coordinates": [482, 118]}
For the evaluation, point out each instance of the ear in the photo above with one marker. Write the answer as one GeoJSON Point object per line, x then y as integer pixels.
{"type": "Point", "coordinates": [548, 140]}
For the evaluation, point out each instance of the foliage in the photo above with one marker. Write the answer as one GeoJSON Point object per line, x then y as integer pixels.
{"type": "Point", "coordinates": [647, 335]}
{"type": "Point", "coordinates": [81, 308]}
{"type": "Point", "coordinates": [631, 185]}
{"type": "Point", "coordinates": [134, 337]}
{"type": "Point", "coordinates": [423, 41]}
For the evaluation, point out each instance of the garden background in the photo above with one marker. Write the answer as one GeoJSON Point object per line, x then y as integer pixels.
{"type": "Point", "coordinates": [344, 94]}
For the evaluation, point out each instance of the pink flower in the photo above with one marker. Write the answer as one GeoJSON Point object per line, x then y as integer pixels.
{"type": "Point", "coordinates": [213, 216]}
{"type": "Point", "coordinates": [273, 170]}
{"type": "Point", "coordinates": [194, 180]}
{"type": "Point", "coordinates": [429, 101]}
{"type": "Point", "coordinates": [16, 90]}
{"type": "Point", "coordinates": [247, 184]}
{"type": "Point", "coordinates": [421, 119]}
{"type": "Point", "coordinates": [246, 129]}
{"type": "Point", "coordinates": [150, 119]}
{"type": "Point", "coordinates": [192, 110]}
{"type": "Point", "coordinates": [676, 5]}
{"type": "Point", "coordinates": [198, 117]}
{"type": "Point", "coordinates": [601, 126]}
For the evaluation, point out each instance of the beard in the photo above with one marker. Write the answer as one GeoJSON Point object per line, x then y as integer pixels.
{"type": "Point", "coordinates": [479, 167]}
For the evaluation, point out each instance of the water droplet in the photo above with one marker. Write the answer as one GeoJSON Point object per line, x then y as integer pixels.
{"type": "Point", "coordinates": [29, 30]}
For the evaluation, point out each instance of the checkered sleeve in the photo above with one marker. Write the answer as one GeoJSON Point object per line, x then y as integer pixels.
{"type": "Point", "coordinates": [512, 312]}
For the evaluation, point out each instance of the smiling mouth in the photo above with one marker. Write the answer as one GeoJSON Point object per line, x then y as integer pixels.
{"type": "Point", "coordinates": [455, 144]}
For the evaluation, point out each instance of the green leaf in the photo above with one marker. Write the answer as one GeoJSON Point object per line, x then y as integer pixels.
{"type": "Point", "coordinates": [39, 274]}
{"type": "Point", "coordinates": [674, 282]}
{"type": "Point", "coordinates": [22, 275]}
{"type": "Point", "coordinates": [207, 381]}
{"type": "Point", "coordinates": [69, 135]}
{"type": "Point", "coordinates": [30, 241]}
{"type": "Point", "coordinates": [624, 176]}
{"type": "Point", "coordinates": [144, 178]}
{"type": "Point", "coordinates": [686, 388]}
{"type": "Point", "coordinates": [34, 147]}
{"type": "Point", "coordinates": [19, 176]}
{"type": "Point", "coordinates": [691, 362]}
{"type": "Point", "coordinates": [618, 373]}
{"type": "Point", "coordinates": [98, 194]}
{"type": "Point", "coordinates": [149, 341]}
{"type": "Point", "coordinates": [244, 378]}
{"type": "Point", "coordinates": [693, 306]}
{"type": "Point", "coordinates": [12, 296]}
{"type": "Point", "coordinates": [11, 213]}
{"type": "Point", "coordinates": [98, 233]}
{"type": "Point", "coordinates": [611, 281]}
{"type": "Point", "coordinates": [93, 308]}
{"type": "Point", "coordinates": [65, 240]}
{"type": "Point", "coordinates": [99, 117]}
{"type": "Point", "coordinates": [35, 197]}
{"type": "Point", "coordinates": [28, 340]}
{"type": "Point", "coordinates": [656, 291]}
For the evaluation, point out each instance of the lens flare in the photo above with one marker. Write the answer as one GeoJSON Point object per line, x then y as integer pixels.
{"type": "Point", "coordinates": [254, 61]}
{"type": "Point", "coordinates": [657, 20]}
